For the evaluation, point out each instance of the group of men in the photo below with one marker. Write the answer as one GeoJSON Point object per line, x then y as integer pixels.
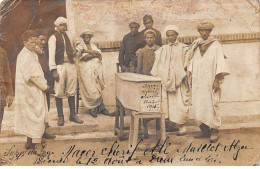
{"type": "Point", "coordinates": [46, 67]}
{"type": "Point", "coordinates": [191, 75]}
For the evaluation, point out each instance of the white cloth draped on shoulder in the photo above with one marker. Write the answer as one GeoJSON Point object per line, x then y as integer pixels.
{"type": "Point", "coordinates": [91, 79]}
{"type": "Point", "coordinates": [175, 94]}
{"type": "Point", "coordinates": [204, 69]}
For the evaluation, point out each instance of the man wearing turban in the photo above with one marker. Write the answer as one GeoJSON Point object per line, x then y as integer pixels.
{"type": "Point", "coordinates": [63, 68]}
{"type": "Point", "coordinates": [90, 71]}
{"type": "Point", "coordinates": [169, 66]}
{"type": "Point", "coordinates": [207, 67]}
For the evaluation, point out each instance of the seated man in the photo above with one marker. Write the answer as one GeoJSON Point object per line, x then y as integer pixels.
{"type": "Point", "coordinates": [30, 93]}
{"type": "Point", "coordinates": [146, 55]}
{"type": "Point", "coordinates": [90, 75]}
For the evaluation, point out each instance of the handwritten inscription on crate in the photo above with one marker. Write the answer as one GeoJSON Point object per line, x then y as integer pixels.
{"type": "Point", "coordinates": [150, 97]}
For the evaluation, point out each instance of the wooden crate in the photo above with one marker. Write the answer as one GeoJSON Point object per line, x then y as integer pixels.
{"type": "Point", "coordinates": [138, 92]}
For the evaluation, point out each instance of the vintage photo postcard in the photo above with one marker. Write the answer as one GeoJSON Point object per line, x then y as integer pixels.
{"type": "Point", "coordinates": [129, 83]}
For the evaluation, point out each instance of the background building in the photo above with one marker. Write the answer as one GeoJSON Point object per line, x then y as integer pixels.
{"type": "Point", "coordinates": [236, 24]}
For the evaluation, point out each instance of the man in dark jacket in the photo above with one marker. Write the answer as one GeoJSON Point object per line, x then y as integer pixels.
{"type": "Point", "coordinates": [130, 44]}
{"type": "Point", "coordinates": [43, 56]}
{"type": "Point", "coordinates": [41, 50]}
{"type": "Point", "coordinates": [148, 23]}
{"type": "Point", "coordinates": [6, 89]}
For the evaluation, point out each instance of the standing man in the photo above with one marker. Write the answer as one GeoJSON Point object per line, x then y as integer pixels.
{"type": "Point", "coordinates": [148, 23]}
{"type": "Point", "coordinates": [207, 67]}
{"type": "Point", "coordinates": [169, 66]}
{"type": "Point", "coordinates": [91, 79]}
{"type": "Point", "coordinates": [41, 50]}
{"type": "Point", "coordinates": [63, 69]}
{"type": "Point", "coordinates": [43, 56]}
{"type": "Point", "coordinates": [130, 44]}
{"type": "Point", "coordinates": [146, 55]}
{"type": "Point", "coordinates": [6, 87]}
{"type": "Point", "coordinates": [30, 93]}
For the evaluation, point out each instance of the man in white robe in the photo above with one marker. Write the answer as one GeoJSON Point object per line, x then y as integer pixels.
{"type": "Point", "coordinates": [30, 93]}
{"type": "Point", "coordinates": [207, 66]}
{"type": "Point", "coordinates": [90, 75]}
{"type": "Point", "coordinates": [169, 66]}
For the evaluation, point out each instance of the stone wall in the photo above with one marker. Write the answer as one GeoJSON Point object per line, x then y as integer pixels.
{"type": "Point", "coordinates": [240, 89]}
{"type": "Point", "coordinates": [236, 24]}
{"type": "Point", "coordinates": [109, 18]}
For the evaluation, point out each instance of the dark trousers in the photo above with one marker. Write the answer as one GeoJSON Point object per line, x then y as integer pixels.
{"type": "Point", "coordinates": [59, 105]}
{"type": "Point", "coordinates": [48, 76]}
{"type": "Point", "coordinates": [48, 100]}
{"type": "Point", "coordinates": [101, 106]}
{"type": "Point", "coordinates": [1, 117]}
{"type": "Point", "coordinates": [205, 128]}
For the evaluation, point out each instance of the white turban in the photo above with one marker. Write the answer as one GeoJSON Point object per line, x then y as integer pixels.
{"type": "Point", "coordinates": [150, 30]}
{"type": "Point", "coordinates": [171, 28]}
{"type": "Point", "coordinates": [60, 20]}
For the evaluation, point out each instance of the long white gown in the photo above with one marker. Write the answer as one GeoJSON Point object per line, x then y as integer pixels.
{"type": "Point", "coordinates": [175, 93]}
{"type": "Point", "coordinates": [30, 101]}
{"type": "Point", "coordinates": [91, 79]}
{"type": "Point", "coordinates": [204, 69]}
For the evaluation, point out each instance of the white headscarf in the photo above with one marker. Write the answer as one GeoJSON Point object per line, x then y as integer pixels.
{"type": "Point", "coordinates": [171, 28]}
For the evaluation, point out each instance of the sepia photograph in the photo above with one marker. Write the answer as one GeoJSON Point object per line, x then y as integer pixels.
{"type": "Point", "coordinates": [130, 83]}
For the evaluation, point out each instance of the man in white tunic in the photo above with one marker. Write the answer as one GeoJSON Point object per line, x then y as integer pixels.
{"type": "Point", "coordinates": [207, 66]}
{"type": "Point", "coordinates": [169, 66]}
{"type": "Point", "coordinates": [62, 66]}
{"type": "Point", "coordinates": [30, 93]}
{"type": "Point", "coordinates": [90, 74]}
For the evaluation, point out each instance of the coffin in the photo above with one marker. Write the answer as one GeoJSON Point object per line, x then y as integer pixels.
{"type": "Point", "coordinates": [138, 92]}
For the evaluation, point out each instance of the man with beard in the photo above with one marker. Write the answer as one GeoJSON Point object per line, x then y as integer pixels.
{"type": "Point", "coordinates": [207, 67]}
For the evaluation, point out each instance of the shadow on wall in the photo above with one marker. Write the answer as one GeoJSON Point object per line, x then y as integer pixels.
{"type": "Point", "coordinates": [18, 16]}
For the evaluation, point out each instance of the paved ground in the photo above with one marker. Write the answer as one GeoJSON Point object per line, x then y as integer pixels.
{"type": "Point", "coordinates": [90, 144]}
{"type": "Point", "coordinates": [235, 147]}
